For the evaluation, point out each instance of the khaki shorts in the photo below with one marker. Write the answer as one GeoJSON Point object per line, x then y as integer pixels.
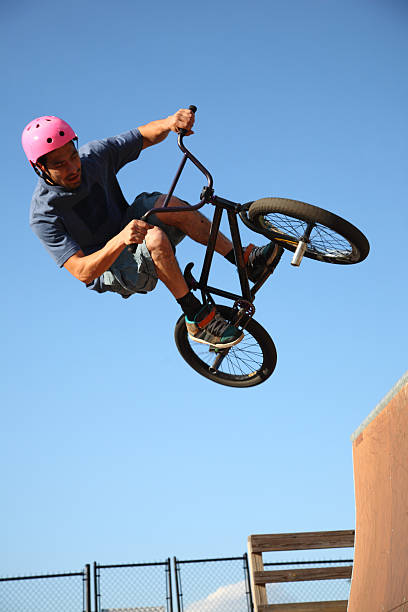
{"type": "Point", "coordinates": [135, 272]}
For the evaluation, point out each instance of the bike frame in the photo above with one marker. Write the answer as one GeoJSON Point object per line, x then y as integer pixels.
{"type": "Point", "coordinates": [232, 209]}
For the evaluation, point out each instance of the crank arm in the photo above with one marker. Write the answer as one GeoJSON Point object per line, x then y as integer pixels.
{"type": "Point", "coordinates": [218, 360]}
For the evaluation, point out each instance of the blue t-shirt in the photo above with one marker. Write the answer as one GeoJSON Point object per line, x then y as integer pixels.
{"type": "Point", "coordinates": [86, 218]}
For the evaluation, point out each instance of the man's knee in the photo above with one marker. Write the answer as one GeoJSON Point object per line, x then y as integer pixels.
{"type": "Point", "coordinates": [157, 240]}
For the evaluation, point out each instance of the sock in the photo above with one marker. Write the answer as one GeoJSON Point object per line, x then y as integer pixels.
{"type": "Point", "coordinates": [230, 257]}
{"type": "Point", "coordinates": [190, 305]}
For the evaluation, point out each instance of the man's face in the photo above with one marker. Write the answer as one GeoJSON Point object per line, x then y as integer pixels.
{"type": "Point", "coordinates": [64, 166]}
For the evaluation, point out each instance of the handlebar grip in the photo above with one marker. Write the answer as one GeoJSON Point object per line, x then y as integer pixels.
{"type": "Point", "coordinates": [145, 217]}
{"type": "Point", "coordinates": [193, 108]}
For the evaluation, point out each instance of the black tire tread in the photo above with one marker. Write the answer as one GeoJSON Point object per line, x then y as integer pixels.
{"type": "Point", "coordinates": [308, 212]}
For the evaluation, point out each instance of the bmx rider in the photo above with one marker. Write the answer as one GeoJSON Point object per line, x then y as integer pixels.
{"type": "Point", "coordinates": [80, 215]}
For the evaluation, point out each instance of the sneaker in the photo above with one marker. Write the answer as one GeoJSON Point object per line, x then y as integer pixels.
{"type": "Point", "coordinates": [257, 259]}
{"type": "Point", "coordinates": [209, 327]}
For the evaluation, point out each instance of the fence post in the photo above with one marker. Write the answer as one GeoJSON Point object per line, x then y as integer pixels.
{"type": "Point", "coordinates": [87, 588]}
{"type": "Point", "coordinates": [176, 578]}
{"type": "Point", "coordinates": [96, 589]}
{"type": "Point", "coordinates": [169, 586]}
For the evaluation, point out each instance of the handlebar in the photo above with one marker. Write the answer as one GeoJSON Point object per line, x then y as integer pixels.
{"type": "Point", "coordinates": [205, 194]}
{"type": "Point", "coordinates": [197, 163]}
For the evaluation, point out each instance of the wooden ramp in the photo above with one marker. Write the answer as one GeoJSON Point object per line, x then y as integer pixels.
{"type": "Point", "coordinates": [380, 455]}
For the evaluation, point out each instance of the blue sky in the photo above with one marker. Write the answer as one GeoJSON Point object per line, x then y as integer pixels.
{"type": "Point", "coordinates": [111, 448]}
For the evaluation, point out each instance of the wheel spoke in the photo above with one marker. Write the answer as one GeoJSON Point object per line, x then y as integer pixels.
{"type": "Point", "coordinates": [323, 240]}
{"type": "Point", "coordinates": [241, 359]}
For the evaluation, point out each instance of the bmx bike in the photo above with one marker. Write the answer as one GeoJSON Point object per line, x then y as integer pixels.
{"type": "Point", "coordinates": [304, 229]}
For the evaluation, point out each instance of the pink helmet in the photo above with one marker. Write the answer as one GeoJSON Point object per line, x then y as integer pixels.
{"type": "Point", "coordinates": [45, 134]}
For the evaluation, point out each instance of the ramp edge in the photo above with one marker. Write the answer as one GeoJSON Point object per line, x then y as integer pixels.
{"type": "Point", "coordinates": [381, 405]}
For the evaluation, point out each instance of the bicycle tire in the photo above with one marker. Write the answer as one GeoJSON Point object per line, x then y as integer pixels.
{"type": "Point", "coordinates": [248, 363]}
{"type": "Point", "coordinates": [333, 239]}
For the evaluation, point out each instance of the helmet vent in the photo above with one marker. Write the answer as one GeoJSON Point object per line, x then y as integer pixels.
{"type": "Point", "coordinates": [44, 134]}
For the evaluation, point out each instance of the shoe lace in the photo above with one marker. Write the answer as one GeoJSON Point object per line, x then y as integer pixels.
{"type": "Point", "coordinates": [255, 255]}
{"type": "Point", "coordinates": [218, 325]}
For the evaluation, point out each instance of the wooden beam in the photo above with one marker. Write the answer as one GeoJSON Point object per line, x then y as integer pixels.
{"type": "Point", "coordinates": [313, 606]}
{"type": "Point", "coordinates": [297, 575]}
{"type": "Point", "coordinates": [301, 541]}
{"type": "Point", "coordinates": [259, 595]}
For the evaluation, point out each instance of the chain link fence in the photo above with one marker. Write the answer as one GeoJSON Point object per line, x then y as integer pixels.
{"type": "Point", "coordinates": [133, 587]}
{"type": "Point", "coordinates": [69, 592]}
{"type": "Point", "coordinates": [213, 585]}
{"type": "Point", "coordinates": [201, 585]}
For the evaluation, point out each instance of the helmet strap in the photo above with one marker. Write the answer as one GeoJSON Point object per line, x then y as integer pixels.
{"type": "Point", "coordinates": [44, 175]}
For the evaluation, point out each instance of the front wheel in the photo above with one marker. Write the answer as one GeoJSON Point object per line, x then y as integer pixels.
{"type": "Point", "coordinates": [246, 364]}
{"type": "Point", "coordinates": [329, 237]}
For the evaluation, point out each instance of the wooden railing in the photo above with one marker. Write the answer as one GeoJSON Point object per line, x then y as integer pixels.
{"type": "Point", "coordinates": [258, 544]}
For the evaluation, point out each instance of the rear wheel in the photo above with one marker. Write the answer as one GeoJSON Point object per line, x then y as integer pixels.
{"type": "Point", "coordinates": [246, 364]}
{"type": "Point", "coordinates": [329, 237]}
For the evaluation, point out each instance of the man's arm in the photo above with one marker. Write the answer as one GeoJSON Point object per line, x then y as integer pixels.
{"type": "Point", "coordinates": [87, 268]}
{"type": "Point", "coordinates": [157, 131]}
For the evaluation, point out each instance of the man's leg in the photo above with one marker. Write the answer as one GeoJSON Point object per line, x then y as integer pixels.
{"type": "Point", "coordinates": [194, 225]}
{"type": "Point", "coordinates": [203, 322]}
{"type": "Point", "coordinates": [167, 268]}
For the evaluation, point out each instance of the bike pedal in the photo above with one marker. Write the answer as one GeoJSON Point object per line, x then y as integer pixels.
{"type": "Point", "coordinates": [218, 351]}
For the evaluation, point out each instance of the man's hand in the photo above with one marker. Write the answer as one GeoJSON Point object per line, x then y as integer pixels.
{"type": "Point", "coordinates": [157, 131]}
{"type": "Point", "coordinates": [134, 232]}
{"type": "Point", "coordinates": [183, 119]}
{"type": "Point", "coordinates": [88, 267]}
